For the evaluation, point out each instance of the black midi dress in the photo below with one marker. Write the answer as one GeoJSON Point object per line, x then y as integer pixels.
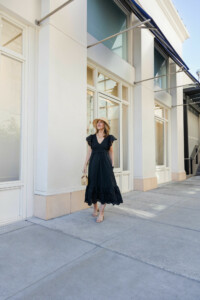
{"type": "Point", "coordinates": [102, 184]}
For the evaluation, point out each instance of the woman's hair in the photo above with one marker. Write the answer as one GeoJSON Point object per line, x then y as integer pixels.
{"type": "Point", "coordinates": [106, 129]}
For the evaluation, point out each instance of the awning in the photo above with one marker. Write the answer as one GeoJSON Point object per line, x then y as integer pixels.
{"type": "Point", "coordinates": [159, 36]}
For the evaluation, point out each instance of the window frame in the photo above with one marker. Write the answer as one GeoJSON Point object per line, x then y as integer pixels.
{"type": "Point", "coordinates": [165, 121]}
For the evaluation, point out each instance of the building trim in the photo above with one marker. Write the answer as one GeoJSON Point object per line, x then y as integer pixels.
{"type": "Point", "coordinates": [175, 20]}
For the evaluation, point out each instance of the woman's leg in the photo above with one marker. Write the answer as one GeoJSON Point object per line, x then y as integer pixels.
{"type": "Point", "coordinates": [101, 213]}
{"type": "Point", "coordinates": [95, 209]}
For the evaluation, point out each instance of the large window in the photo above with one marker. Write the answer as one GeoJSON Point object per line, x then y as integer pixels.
{"type": "Point", "coordinates": [160, 68]}
{"type": "Point", "coordinates": [108, 97]}
{"type": "Point", "coordinates": [105, 18]}
{"type": "Point", "coordinates": [161, 135]}
{"type": "Point", "coordinates": [11, 70]}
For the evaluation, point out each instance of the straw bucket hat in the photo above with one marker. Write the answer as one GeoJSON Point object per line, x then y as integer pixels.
{"type": "Point", "coordinates": [100, 118]}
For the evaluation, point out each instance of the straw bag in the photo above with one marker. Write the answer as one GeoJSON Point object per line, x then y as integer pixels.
{"type": "Point", "coordinates": [84, 179]}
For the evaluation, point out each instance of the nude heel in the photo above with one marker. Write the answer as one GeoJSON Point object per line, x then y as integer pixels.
{"type": "Point", "coordinates": [100, 220]}
{"type": "Point", "coordinates": [95, 214]}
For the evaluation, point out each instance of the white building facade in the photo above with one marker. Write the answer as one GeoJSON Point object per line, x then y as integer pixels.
{"type": "Point", "coordinates": [53, 86]}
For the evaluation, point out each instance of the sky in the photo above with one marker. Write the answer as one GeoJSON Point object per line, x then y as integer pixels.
{"type": "Point", "coordinates": [189, 11]}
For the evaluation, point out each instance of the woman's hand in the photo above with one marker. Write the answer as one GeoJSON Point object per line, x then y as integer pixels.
{"type": "Point", "coordinates": [84, 169]}
{"type": "Point", "coordinates": [89, 151]}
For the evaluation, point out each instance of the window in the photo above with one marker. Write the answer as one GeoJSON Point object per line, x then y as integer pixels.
{"type": "Point", "coordinates": [160, 68]}
{"type": "Point", "coordinates": [109, 98]}
{"type": "Point", "coordinates": [90, 79]}
{"type": "Point", "coordinates": [125, 136]}
{"type": "Point", "coordinates": [11, 36]}
{"type": "Point", "coordinates": [105, 18]}
{"type": "Point", "coordinates": [159, 142]}
{"type": "Point", "coordinates": [124, 93]}
{"type": "Point", "coordinates": [161, 135]}
{"type": "Point", "coordinates": [107, 85]}
{"type": "Point", "coordinates": [11, 70]}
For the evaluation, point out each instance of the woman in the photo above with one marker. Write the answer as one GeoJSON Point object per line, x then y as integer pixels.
{"type": "Point", "coordinates": [102, 185]}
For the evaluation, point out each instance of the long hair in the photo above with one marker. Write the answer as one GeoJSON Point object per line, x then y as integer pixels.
{"type": "Point", "coordinates": [106, 129]}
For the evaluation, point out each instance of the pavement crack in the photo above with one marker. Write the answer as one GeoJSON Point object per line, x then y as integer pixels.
{"type": "Point", "coordinates": [25, 226]}
{"type": "Point", "coordinates": [49, 274]}
{"type": "Point", "coordinates": [152, 265]}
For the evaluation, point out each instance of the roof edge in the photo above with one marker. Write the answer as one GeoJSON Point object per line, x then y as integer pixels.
{"type": "Point", "coordinates": [175, 20]}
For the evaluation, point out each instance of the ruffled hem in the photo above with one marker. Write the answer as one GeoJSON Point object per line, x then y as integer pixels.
{"type": "Point", "coordinates": [92, 195]}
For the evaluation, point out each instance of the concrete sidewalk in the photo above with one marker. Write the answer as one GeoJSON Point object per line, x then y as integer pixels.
{"type": "Point", "coordinates": [146, 248]}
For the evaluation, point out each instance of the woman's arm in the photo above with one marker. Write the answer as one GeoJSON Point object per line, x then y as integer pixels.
{"type": "Point", "coordinates": [111, 154]}
{"type": "Point", "coordinates": [89, 151]}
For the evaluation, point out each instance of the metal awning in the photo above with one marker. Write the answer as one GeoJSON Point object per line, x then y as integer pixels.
{"type": "Point", "coordinates": [137, 25]}
{"type": "Point", "coordinates": [37, 22]}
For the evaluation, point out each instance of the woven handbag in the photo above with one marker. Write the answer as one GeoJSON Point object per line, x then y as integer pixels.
{"type": "Point", "coordinates": [84, 179]}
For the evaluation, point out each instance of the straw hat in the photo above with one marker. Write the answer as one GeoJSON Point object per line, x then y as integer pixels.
{"type": "Point", "coordinates": [100, 118]}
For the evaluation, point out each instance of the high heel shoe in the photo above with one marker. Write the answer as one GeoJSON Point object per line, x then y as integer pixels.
{"type": "Point", "coordinates": [95, 214]}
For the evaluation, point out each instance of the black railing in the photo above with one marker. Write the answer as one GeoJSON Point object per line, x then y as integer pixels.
{"type": "Point", "coordinates": [191, 163]}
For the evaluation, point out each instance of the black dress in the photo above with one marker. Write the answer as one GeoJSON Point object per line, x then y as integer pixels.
{"type": "Point", "coordinates": [102, 184]}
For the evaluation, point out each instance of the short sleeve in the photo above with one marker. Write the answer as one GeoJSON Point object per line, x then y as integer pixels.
{"type": "Point", "coordinates": [89, 139]}
{"type": "Point", "coordinates": [111, 140]}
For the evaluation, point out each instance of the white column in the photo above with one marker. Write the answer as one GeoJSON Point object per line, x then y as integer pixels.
{"type": "Point", "coordinates": [199, 129]}
{"type": "Point", "coordinates": [61, 109]}
{"type": "Point", "coordinates": [144, 127]}
{"type": "Point", "coordinates": [177, 133]}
